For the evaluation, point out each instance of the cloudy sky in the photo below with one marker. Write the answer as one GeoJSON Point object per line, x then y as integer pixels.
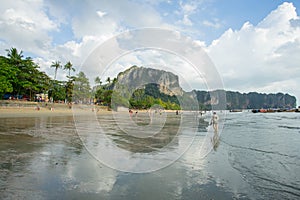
{"type": "Point", "coordinates": [253, 44]}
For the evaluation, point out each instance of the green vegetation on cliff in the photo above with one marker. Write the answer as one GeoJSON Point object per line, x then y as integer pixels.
{"type": "Point", "coordinates": [145, 98]}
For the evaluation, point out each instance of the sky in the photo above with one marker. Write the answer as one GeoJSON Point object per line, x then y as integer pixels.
{"type": "Point", "coordinates": [254, 45]}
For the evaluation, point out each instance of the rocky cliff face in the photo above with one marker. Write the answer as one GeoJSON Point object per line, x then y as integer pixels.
{"type": "Point", "coordinates": [252, 100]}
{"type": "Point", "coordinates": [138, 77]}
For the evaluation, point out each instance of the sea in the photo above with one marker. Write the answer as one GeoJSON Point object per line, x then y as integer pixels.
{"type": "Point", "coordinates": [156, 155]}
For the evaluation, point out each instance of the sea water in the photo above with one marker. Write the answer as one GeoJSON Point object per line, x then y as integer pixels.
{"type": "Point", "coordinates": [257, 157]}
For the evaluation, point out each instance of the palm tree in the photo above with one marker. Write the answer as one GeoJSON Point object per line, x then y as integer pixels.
{"type": "Point", "coordinates": [56, 65]}
{"type": "Point", "coordinates": [98, 80]}
{"type": "Point", "coordinates": [23, 70]}
{"type": "Point", "coordinates": [108, 79]}
{"type": "Point", "coordinates": [69, 67]}
{"type": "Point", "coordinates": [14, 56]}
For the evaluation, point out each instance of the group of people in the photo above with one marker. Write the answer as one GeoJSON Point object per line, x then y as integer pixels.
{"type": "Point", "coordinates": [214, 119]}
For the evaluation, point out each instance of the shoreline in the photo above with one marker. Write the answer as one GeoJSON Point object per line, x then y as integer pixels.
{"type": "Point", "coordinates": [39, 109]}
{"type": "Point", "coordinates": [57, 111]}
{"type": "Point", "coordinates": [32, 112]}
{"type": "Point", "coordinates": [21, 109]}
{"type": "Point", "coordinates": [17, 108]}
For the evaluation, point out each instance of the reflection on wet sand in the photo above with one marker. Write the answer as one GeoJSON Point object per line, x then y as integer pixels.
{"type": "Point", "coordinates": [30, 148]}
{"type": "Point", "coordinates": [135, 144]}
{"type": "Point", "coordinates": [31, 134]}
{"type": "Point", "coordinates": [202, 125]}
{"type": "Point", "coordinates": [44, 158]}
{"type": "Point", "coordinates": [215, 141]}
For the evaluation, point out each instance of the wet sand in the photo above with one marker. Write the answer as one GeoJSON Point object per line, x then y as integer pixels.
{"type": "Point", "coordinates": [49, 157]}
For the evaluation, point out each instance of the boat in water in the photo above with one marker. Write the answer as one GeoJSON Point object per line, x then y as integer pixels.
{"type": "Point", "coordinates": [271, 110]}
{"type": "Point", "coordinates": [236, 110]}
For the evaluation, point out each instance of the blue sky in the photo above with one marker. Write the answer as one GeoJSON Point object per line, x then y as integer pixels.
{"type": "Point", "coordinates": [253, 44]}
{"type": "Point", "coordinates": [218, 15]}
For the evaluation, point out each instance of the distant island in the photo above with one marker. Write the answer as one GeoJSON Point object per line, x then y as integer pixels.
{"type": "Point", "coordinates": [136, 87]}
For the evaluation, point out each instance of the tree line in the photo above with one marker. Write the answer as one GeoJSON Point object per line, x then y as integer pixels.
{"type": "Point", "coordinates": [21, 78]}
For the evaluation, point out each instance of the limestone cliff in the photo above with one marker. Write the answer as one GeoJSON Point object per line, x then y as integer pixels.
{"type": "Point", "coordinates": [138, 77]}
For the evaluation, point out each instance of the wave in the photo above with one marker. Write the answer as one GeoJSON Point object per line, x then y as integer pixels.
{"type": "Point", "coordinates": [259, 150]}
{"type": "Point", "coordinates": [280, 190]}
{"type": "Point", "coordinates": [289, 127]}
{"type": "Point", "coordinates": [258, 179]}
{"type": "Point", "coordinates": [296, 191]}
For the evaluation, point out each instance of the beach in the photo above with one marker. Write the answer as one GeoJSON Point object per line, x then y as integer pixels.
{"type": "Point", "coordinates": [31, 109]}
{"type": "Point", "coordinates": [35, 109]}
{"type": "Point", "coordinates": [61, 155]}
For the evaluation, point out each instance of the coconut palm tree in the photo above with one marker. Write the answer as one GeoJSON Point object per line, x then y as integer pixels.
{"type": "Point", "coordinates": [14, 56]}
{"type": "Point", "coordinates": [115, 80]}
{"type": "Point", "coordinates": [56, 65]}
{"type": "Point", "coordinates": [98, 81]}
{"type": "Point", "coordinates": [108, 79]}
{"type": "Point", "coordinates": [69, 66]}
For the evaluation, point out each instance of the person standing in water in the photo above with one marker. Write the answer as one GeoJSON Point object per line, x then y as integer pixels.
{"type": "Point", "coordinates": [214, 121]}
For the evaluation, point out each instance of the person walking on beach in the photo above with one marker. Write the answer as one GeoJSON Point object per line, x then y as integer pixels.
{"type": "Point", "coordinates": [130, 113]}
{"type": "Point", "coordinates": [150, 113]}
{"type": "Point", "coordinates": [214, 121]}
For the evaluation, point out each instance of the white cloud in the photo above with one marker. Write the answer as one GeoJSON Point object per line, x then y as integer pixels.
{"type": "Point", "coordinates": [186, 9]}
{"type": "Point", "coordinates": [263, 56]}
{"type": "Point", "coordinates": [25, 25]}
{"type": "Point", "coordinates": [28, 25]}
{"type": "Point", "coordinates": [115, 16]}
{"type": "Point", "coordinates": [101, 14]}
{"type": "Point", "coordinates": [285, 86]}
{"type": "Point", "coordinates": [150, 48]}
{"type": "Point", "coordinates": [100, 21]}
{"type": "Point", "coordinates": [186, 21]}
{"type": "Point", "coordinates": [213, 24]}
{"type": "Point", "coordinates": [280, 18]}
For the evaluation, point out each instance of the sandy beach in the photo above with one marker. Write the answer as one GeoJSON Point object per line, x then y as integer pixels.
{"type": "Point", "coordinates": [32, 112]}
{"type": "Point", "coordinates": [34, 109]}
